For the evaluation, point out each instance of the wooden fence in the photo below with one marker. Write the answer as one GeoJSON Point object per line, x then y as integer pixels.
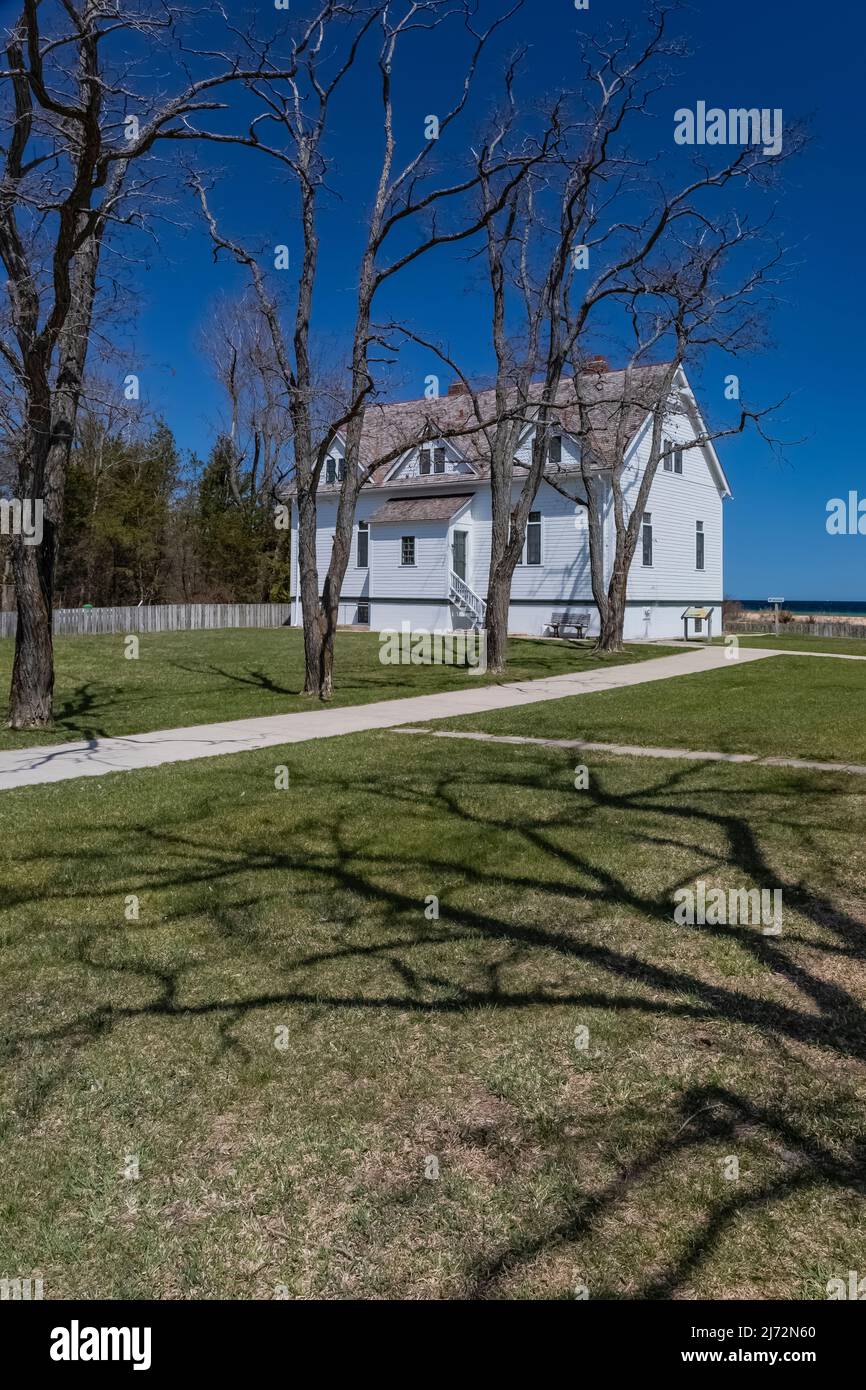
{"type": "Point", "coordinates": [766, 627]}
{"type": "Point", "coordinates": [169, 617]}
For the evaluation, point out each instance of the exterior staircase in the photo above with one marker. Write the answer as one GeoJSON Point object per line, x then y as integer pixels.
{"type": "Point", "coordinates": [466, 601]}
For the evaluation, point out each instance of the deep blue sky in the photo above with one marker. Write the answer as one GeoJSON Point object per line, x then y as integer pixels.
{"type": "Point", "coordinates": [796, 56]}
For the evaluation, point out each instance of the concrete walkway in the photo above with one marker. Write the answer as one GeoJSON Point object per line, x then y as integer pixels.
{"type": "Point", "coordinates": [632, 750]}
{"type": "Point", "coordinates": [833, 656]}
{"type": "Point", "coordinates": [60, 761]}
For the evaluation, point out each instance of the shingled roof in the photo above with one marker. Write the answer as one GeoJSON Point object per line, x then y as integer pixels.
{"type": "Point", "coordinates": [392, 429]}
{"type": "Point", "coordinates": [604, 395]}
{"type": "Point", "coordinates": [434, 508]}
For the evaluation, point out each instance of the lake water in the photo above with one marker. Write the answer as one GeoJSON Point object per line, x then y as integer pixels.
{"type": "Point", "coordinates": [840, 608]}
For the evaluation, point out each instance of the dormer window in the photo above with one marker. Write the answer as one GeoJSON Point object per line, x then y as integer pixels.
{"type": "Point", "coordinates": [335, 471]}
{"type": "Point", "coordinates": [554, 449]}
{"type": "Point", "coordinates": [432, 456]}
{"type": "Point", "coordinates": [431, 461]}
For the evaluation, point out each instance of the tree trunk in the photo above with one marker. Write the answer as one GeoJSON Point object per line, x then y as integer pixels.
{"type": "Point", "coordinates": [611, 623]}
{"type": "Point", "coordinates": [32, 690]}
{"type": "Point", "coordinates": [312, 620]}
{"type": "Point", "coordinates": [499, 577]}
{"type": "Point", "coordinates": [340, 552]}
{"type": "Point", "coordinates": [326, 682]}
{"type": "Point", "coordinates": [42, 478]}
{"type": "Point", "coordinates": [308, 580]}
{"type": "Point", "coordinates": [496, 621]}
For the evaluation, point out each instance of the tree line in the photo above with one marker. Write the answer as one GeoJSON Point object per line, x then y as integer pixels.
{"type": "Point", "coordinates": [583, 237]}
{"type": "Point", "coordinates": [143, 525]}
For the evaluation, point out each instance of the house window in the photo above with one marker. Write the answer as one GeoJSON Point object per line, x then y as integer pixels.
{"type": "Point", "coordinates": [363, 545]}
{"type": "Point", "coordinates": [438, 460]}
{"type": "Point", "coordinates": [363, 615]}
{"type": "Point", "coordinates": [330, 471]}
{"type": "Point", "coordinates": [672, 457]}
{"type": "Point", "coordinates": [424, 465]}
{"type": "Point", "coordinates": [533, 539]}
{"type": "Point", "coordinates": [554, 449]}
{"type": "Point", "coordinates": [647, 533]}
{"type": "Point", "coordinates": [341, 470]}
{"type": "Point", "coordinates": [407, 550]}
{"type": "Point", "coordinates": [699, 545]}
{"type": "Point", "coordinates": [531, 552]}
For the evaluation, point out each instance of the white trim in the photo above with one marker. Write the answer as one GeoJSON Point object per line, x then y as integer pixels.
{"type": "Point", "coordinates": [460, 510]}
{"type": "Point", "coordinates": [680, 384]}
{"type": "Point", "coordinates": [467, 532]}
{"type": "Point", "coordinates": [523, 562]}
{"type": "Point", "coordinates": [702, 429]}
{"type": "Point", "coordinates": [447, 444]}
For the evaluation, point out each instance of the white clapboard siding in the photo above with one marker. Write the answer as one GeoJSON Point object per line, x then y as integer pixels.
{"type": "Point", "coordinates": [676, 502]}
{"type": "Point", "coordinates": [563, 575]}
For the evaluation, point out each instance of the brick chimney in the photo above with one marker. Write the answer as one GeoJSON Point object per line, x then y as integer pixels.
{"type": "Point", "coordinates": [596, 364]}
{"type": "Point", "coordinates": [458, 389]}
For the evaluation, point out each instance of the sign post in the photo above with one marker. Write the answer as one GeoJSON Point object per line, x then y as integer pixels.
{"type": "Point", "coordinates": [776, 602]}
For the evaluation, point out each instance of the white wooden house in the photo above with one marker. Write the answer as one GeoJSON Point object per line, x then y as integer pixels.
{"type": "Point", "coordinates": [421, 548]}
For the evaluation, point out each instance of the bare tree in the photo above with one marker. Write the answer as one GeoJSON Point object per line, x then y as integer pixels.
{"type": "Point", "coordinates": [73, 127]}
{"type": "Point", "coordinates": [685, 307]}
{"type": "Point", "coordinates": [258, 425]}
{"type": "Point", "coordinates": [406, 200]}
{"type": "Point", "coordinates": [542, 249]}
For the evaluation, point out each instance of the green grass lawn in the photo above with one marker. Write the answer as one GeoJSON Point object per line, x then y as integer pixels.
{"type": "Point", "coordinates": [786, 706]}
{"type": "Point", "coordinates": [331, 1092]}
{"type": "Point", "coordinates": [839, 646]}
{"type": "Point", "coordinates": [183, 678]}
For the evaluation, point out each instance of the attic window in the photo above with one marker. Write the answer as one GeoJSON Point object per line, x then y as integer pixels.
{"type": "Point", "coordinates": [438, 460]}
{"type": "Point", "coordinates": [554, 449]}
{"type": "Point", "coordinates": [330, 471]}
{"type": "Point", "coordinates": [672, 457]}
{"type": "Point", "coordinates": [424, 463]}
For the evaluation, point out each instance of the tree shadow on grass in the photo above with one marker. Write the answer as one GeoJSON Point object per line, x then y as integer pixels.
{"type": "Point", "coordinates": [709, 1116]}
{"type": "Point", "coordinates": [77, 711]}
{"type": "Point", "coordinates": [258, 680]}
{"type": "Point", "coordinates": [675, 812]}
{"type": "Point", "coordinates": [370, 875]}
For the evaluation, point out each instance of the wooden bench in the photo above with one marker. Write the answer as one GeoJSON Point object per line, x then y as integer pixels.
{"type": "Point", "coordinates": [578, 622]}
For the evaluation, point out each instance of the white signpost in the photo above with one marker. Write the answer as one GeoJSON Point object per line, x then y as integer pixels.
{"type": "Point", "coordinates": [777, 603]}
